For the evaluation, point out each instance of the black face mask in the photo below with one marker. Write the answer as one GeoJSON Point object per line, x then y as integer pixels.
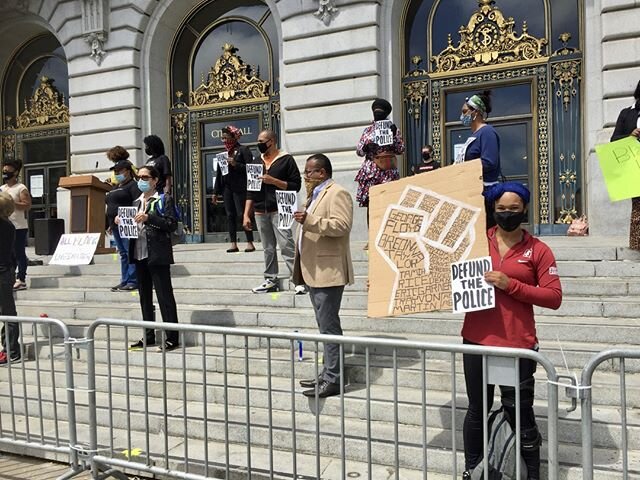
{"type": "Point", "coordinates": [379, 115]}
{"type": "Point", "coordinates": [509, 221]}
{"type": "Point", "coordinates": [263, 147]}
{"type": "Point", "coordinates": [148, 151]}
{"type": "Point", "coordinates": [426, 156]}
{"type": "Point", "coordinates": [6, 176]}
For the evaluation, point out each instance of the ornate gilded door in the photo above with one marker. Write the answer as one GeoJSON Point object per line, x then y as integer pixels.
{"type": "Point", "coordinates": [536, 98]}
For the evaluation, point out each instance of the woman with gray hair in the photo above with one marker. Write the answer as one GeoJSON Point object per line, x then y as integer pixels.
{"type": "Point", "coordinates": [7, 277]}
{"type": "Point", "coordinates": [483, 144]}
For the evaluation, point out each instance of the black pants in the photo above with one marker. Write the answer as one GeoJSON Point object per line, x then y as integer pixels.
{"type": "Point", "coordinates": [157, 277]}
{"type": "Point", "coordinates": [8, 308]}
{"type": "Point", "coordinates": [234, 207]}
{"type": "Point", "coordinates": [472, 429]}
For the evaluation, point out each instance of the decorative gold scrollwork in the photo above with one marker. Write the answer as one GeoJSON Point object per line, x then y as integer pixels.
{"type": "Point", "coordinates": [230, 79]}
{"type": "Point", "coordinates": [179, 120]}
{"type": "Point", "coordinates": [568, 181]}
{"type": "Point", "coordinates": [8, 146]}
{"type": "Point", "coordinates": [489, 39]}
{"type": "Point", "coordinates": [45, 107]}
{"type": "Point", "coordinates": [416, 92]}
{"type": "Point", "coordinates": [565, 76]}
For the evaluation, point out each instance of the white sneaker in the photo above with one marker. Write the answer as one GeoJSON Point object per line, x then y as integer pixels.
{"type": "Point", "coordinates": [19, 285]}
{"type": "Point", "coordinates": [301, 290]}
{"type": "Point", "coordinates": [267, 286]}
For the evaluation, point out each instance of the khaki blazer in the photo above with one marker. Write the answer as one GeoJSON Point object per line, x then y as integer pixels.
{"type": "Point", "coordinates": [323, 254]}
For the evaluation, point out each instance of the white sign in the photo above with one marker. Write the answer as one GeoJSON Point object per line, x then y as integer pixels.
{"type": "Point", "coordinates": [382, 134]}
{"type": "Point", "coordinates": [223, 162]}
{"type": "Point", "coordinates": [37, 185]}
{"type": "Point", "coordinates": [287, 201]}
{"type": "Point", "coordinates": [469, 291]}
{"type": "Point", "coordinates": [254, 172]}
{"type": "Point", "coordinates": [127, 228]}
{"type": "Point", "coordinates": [75, 249]}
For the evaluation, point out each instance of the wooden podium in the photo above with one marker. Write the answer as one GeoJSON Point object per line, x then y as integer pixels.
{"type": "Point", "coordinates": [87, 206]}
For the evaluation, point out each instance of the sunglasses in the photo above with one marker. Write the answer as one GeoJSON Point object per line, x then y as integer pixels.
{"type": "Point", "coordinates": [144, 177]}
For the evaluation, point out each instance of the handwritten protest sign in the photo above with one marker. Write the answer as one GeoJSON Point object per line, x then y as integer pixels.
{"type": "Point", "coordinates": [420, 225]}
{"type": "Point", "coordinates": [620, 164]}
{"type": "Point", "coordinates": [127, 228]}
{"type": "Point", "coordinates": [223, 162]}
{"type": "Point", "coordinates": [254, 172]}
{"type": "Point", "coordinates": [469, 290]}
{"type": "Point", "coordinates": [382, 133]}
{"type": "Point", "coordinates": [287, 201]}
{"type": "Point", "coordinates": [75, 249]}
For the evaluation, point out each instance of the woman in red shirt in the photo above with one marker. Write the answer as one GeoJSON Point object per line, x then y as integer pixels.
{"type": "Point", "coordinates": [524, 274]}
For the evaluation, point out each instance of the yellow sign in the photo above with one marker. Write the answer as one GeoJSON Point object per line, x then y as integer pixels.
{"type": "Point", "coordinates": [620, 164]}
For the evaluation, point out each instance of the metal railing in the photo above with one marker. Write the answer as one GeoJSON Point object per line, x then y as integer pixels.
{"type": "Point", "coordinates": [585, 393]}
{"type": "Point", "coordinates": [228, 406]}
{"type": "Point", "coordinates": [32, 386]}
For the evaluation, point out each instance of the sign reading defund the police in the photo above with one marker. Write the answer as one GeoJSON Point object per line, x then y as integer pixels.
{"type": "Point", "coordinates": [75, 249]}
{"type": "Point", "coordinates": [286, 207]}
{"type": "Point", "coordinates": [469, 290]}
{"type": "Point", "coordinates": [382, 133]}
{"type": "Point", "coordinates": [254, 177]}
{"type": "Point", "coordinates": [223, 163]}
{"type": "Point", "coordinates": [127, 228]}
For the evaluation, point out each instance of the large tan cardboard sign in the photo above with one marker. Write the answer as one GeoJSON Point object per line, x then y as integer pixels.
{"type": "Point", "coordinates": [419, 226]}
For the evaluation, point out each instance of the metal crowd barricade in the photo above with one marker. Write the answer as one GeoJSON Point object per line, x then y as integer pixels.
{"type": "Point", "coordinates": [31, 417]}
{"type": "Point", "coordinates": [585, 393]}
{"type": "Point", "coordinates": [231, 406]}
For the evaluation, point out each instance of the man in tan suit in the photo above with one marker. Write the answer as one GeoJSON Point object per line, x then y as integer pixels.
{"type": "Point", "coordinates": [323, 261]}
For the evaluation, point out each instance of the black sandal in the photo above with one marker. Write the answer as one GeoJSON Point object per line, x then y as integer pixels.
{"type": "Point", "coordinates": [249, 250]}
{"type": "Point", "coordinates": [233, 250]}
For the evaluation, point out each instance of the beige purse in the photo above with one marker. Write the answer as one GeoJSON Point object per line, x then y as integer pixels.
{"type": "Point", "coordinates": [579, 227]}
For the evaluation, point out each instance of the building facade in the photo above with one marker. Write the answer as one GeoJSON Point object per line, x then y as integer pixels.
{"type": "Point", "coordinates": [80, 76]}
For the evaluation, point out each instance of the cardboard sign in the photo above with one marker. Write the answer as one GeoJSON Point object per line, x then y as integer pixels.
{"type": "Point", "coordinates": [75, 249]}
{"type": "Point", "coordinates": [223, 163]}
{"type": "Point", "coordinates": [382, 134]}
{"type": "Point", "coordinates": [469, 291]}
{"type": "Point", "coordinates": [254, 172]}
{"type": "Point", "coordinates": [127, 228]}
{"type": "Point", "coordinates": [620, 164]}
{"type": "Point", "coordinates": [420, 225]}
{"type": "Point", "coordinates": [287, 201]}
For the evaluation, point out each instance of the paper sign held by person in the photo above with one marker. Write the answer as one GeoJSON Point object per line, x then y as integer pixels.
{"type": "Point", "coordinates": [75, 249]}
{"type": "Point", "coordinates": [127, 228]}
{"type": "Point", "coordinates": [287, 201]}
{"type": "Point", "coordinates": [223, 163]}
{"type": "Point", "coordinates": [421, 225]}
{"type": "Point", "coordinates": [470, 292]}
{"type": "Point", "coordinates": [382, 134]}
{"type": "Point", "coordinates": [254, 174]}
{"type": "Point", "coordinates": [620, 164]}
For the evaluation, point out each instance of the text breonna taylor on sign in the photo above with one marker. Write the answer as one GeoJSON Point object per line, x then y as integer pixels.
{"type": "Point", "coordinates": [223, 163]}
{"type": "Point", "coordinates": [469, 290]}
{"type": "Point", "coordinates": [287, 201]}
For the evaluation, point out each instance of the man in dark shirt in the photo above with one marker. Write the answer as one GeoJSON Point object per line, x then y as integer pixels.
{"type": "Point", "coordinates": [428, 164]}
{"type": "Point", "coordinates": [154, 147]}
{"type": "Point", "coordinates": [280, 173]}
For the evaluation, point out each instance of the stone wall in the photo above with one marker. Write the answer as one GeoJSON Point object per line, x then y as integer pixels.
{"type": "Point", "coordinates": [612, 72]}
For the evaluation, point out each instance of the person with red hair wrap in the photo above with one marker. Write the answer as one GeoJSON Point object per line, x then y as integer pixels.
{"type": "Point", "coordinates": [233, 186]}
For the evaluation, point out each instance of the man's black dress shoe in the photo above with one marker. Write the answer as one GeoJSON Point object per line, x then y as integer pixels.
{"type": "Point", "coordinates": [325, 389]}
{"type": "Point", "coordinates": [309, 383]}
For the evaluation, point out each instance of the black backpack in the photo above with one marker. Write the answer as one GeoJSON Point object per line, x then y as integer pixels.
{"type": "Point", "coordinates": [502, 451]}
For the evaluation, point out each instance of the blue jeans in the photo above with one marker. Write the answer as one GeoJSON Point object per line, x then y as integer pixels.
{"type": "Point", "coordinates": [127, 269]}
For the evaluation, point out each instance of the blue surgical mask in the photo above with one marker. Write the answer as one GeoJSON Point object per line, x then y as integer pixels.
{"type": "Point", "coordinates": [120, 178]}
{"type": "Point", "coordinates": [144, 186]}
{"type": "Point", "coordinates": [466, 119]}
